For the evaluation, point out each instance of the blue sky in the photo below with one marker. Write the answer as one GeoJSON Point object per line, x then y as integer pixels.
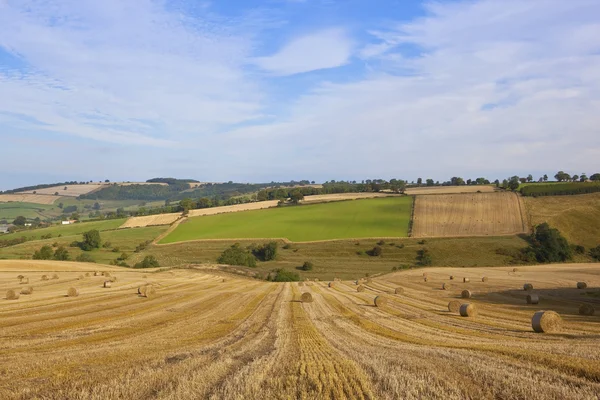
{"type": "Point", "coordinates": [253, 90]}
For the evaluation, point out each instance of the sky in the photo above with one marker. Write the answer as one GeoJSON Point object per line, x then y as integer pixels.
{"type": "Point", "coordinates": [274, 90]}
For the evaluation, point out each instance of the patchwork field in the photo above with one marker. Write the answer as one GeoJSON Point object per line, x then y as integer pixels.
{"type": "Point", "coordinates": [151, 220]}
{"type": "Point", "coordinates": [450, 189]}
{"type": "Point", "coordinates": [67, 230]}
{"type": "Point", "coordinates": [203, 336]}
{"type": "Point", "coordinates": [70, 191]}
{"type": "Point", "coordinates": [576, 217]}
{"type": "Point", "coordinates": [468, 215]}
{"type": "Point", "coordinates": [12, 210]}
{"type": "Point", "coordinates": [260, 205]}
{"type": "Point", "coordinates": [385, 217]}
{"type": "Point", "coordinates": [28, 198]}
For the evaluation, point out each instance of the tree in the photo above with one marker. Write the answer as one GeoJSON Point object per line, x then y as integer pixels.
{"type": "Point", "coordinates": [595, 253]}
{"type": "Point", "coordinates": [419, 181]}
{"type": "Point", "coordinates": [424, 258]}
{"type": "Point", "coordinates": [186, 204]}
{"type": "Point", "coordinates": [583, 177]}
{"type": "Point", "coordinates": [595, 177]}
{"type": "Point", "coordinates": [60, 205]}
{"type": "Point", "coordinates": [283, 275]}
{"type": "Point", "coordinates": [61, 254]}
{"type": "Point", "coordinates": [522, 180]}
{"type": "Point", "coordinates": [562, 176]}
{"type": "Point", "coordinates": [514, 183]}
{"type": "Point", "coordinates": [497, 183]}
{"type": "Point", "coordinates": [549, 245]}
{"type": "Point", "coordinates": [204, 202]}
{"type": "Point", "coordinates": [96, 206]}
{"type": "Point", "coordinates": [266, 252]}
{"type": "Point", "coordinates": [529, 178]}
{"type": "Point", "coordinates": [84, 257]}
{"type": "Point", "coordinates": [429, 182]}
{"type": "Point", "coordinates": [296, 196]}
{"type": "Point", "coordinates": [91, 240]}
{"type": "Point", "coordinates": [545, 178]}
{"type": "Point", "coordinates": [575, 178]}
{"type": "Point", "coordinates": [20, 220]}
{"type": "Point", "coordinates": [107, 180]}
{"type": "Point", "coordinates": [45, 253]}
{"type": "Point", "coordinates": [457, 181]}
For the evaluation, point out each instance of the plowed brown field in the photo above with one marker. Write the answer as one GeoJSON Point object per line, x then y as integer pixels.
{"type": "Point", "coordinates": [201, 337]}
{"type": "Point", "coordinates": [478, 214]}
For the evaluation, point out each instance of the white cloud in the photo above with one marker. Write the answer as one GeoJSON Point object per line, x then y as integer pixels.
{"type": "Point", "coordinates": [320, 50]}
{"type": "Point", "coordinates": [124, 71]}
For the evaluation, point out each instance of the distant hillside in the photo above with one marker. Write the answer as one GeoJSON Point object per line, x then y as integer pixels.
{"type": "Point", "coordinates": [577, 217]}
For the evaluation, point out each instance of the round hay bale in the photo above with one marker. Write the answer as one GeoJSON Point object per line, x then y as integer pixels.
{"type": "Point", "coordinates": [72, 292]}
{"type": "Point", "coordinates": [306, 298]}
{"type": "Point", "coordinates": [399, 290]}
{"type": "Point", "coordinates": [27, 290]}
{"type": "Point", "coordinates": [224, 280]}
{"type": "Point", "coordinates": [19, 277]}
{"type": "Point", "coordinates": [369, 280]}
{"type": "Point", "coordinates": [113, 279]}
{"type": "Point", "coordinates": [107, 284]}
{"type": "Point", "coordinates": [528, 286]}
{"type": "Point", "coordinates": [12, 295]}
{"type": "Point", "coordinates": [468, 310]}
{"type": "Point", "coordinates": [533, 299]}
{"type": "Point", "coordinates": [484, 279]}
{"type": "Point", "coordinates": [451, 277]}
{"type": "Point", "coordinates": [586, 309]}
{"type": "Point", "coordinates": [80, 277]}
{"type": "Point", "coordinates": [465, 294]}
{"type": "Point", "coordinates": [150, 291]}
{"type": "Point", "coordinates": [380, 301]}
{"type": "Point", "coordinates": [24, 281]}
{"type": "Point", "coordinates": [55, 276]}
{"type": "Point", "coordinates": [546, 322]}
{"type": "Point", "coordinates": [466, 280]}
{"type": "Point", "coordinates": [446, 286]}
{"type": "Point", "coordinates": [360, 288]}
{"type": "Point", "coordinates": [581, 285]}
{"type": "Point", "coordinates": [454, 306]}
{"type": "Point", "coordinates": [45, 278]}
{"type": "Point", "coordinates": [515, 269]}
{"type": "Point", "coordinates": [425, 279]}
{"type": "Point", "coordinates": [331, 284]}
{"type": "Point", "coordinates": [97, 273]}
{"type": "Point", "coordinates": [87, 274]}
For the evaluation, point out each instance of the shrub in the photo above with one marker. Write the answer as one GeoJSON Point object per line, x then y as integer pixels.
{"type": "Point", "coordinates": [375, 251]}
{"type": "Point", "coordinates": [107, 245]}
{"type": "Point", "coordinates": [142, 246]}
{"type": "Point", "coordinates": [115, 250]}
{"type": "Point", "coordinates": [74, 244]}
{"type": "Point", "coordinates": [307, 266]}
{"type": "Point", "coordinates": [84, 257]}
{"type": "Point", "coordinates": [421, 241]}
{"type": "Point", "coordinates": [282, 275]}
{"type": "Point", "coordinates": [424, 258]}
{"type": "Point", "coordinates": [361, 253]}
{"type": "Point", "coordinates": [55, 244]}
{"type": "Point", "coordinates": [287, 246]}
{"type": "Point", "coordinates": [147, 262]}
{"type": "Point", "coordinates": [595, 253]}
{"type": "Point", "coordinates": [394, 268]}
{"type": "Point", "coordinates": [45, 253]}
{"type": "Point", "coordinates": [381, 243]}
{"type": "Point", "coordinates": [266, 252]}
{"type": "Point", "coordinates": [235, 255]}
{"type": "Point", "coordinates": [61, 254]}
{"type": "Point", "coordinates": [400, 246]}
{"type": "Point", "coordinates": [579, 249]}
{"type": "Point", "coordinates": [123, 256]}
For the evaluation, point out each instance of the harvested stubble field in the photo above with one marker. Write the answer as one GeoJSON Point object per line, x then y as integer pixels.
{"type": "Point", "coordinates": [450, 189]}
{"type": "Point", "coordinates": [383, 217]}
{"type": "Point", "coordinates": [28, 198]}
{"type": "Point", "coordinates": [468, 215]}
{"type": "Point", "coordinates": [202, 337]}
{"type": "Point", "coordinates": [151, 220]}
{"type": "Point", "coordinates": [71, 191]}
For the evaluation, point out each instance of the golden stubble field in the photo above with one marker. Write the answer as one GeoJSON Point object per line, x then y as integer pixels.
{"type": "Point", "coordinates": [151, 220]}
{"type": "Point", "coordinates": [203, 335]}
{"type": "Point", "coordinates": [477, 214]}
{"type": "Point", "coordinates": [29, 198]}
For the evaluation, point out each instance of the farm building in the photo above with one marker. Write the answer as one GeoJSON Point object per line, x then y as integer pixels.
{"type": "Point", "coordinates": [4, 228]}
{"type": "Point", "coordinates": [69, 222]}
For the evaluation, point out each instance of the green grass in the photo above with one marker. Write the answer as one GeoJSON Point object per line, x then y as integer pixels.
{"type": "Point", "coordinates": [125, 240]}
{"type": "Point", "coordinates": [67, 230]}
{"type": "Point", "coordinates": [384, 217]}
{"type": "Point", "coordinates": [12, 210]}
{"type": "Point", "coordinates": [340, 258]}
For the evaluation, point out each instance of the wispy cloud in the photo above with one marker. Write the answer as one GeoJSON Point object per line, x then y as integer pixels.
{"type": "Point", "coordinates": [320, 50]}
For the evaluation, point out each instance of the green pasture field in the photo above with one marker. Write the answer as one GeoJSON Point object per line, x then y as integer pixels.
{"type": "Point", "coordinates": [122, 240]}
{"type": "Point", "coordinates": [66, 230]}
{"type": "Point", "coordinates": [383, 217]}
{"type": "Point", "coordinates": [13, 209]}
